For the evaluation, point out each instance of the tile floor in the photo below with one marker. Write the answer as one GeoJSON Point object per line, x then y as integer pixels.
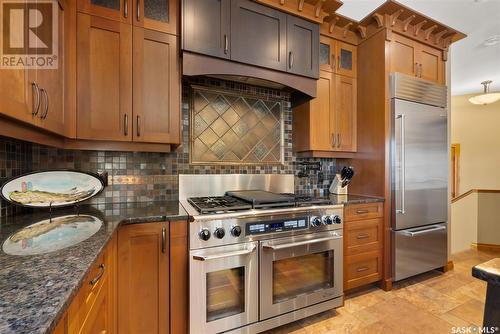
{"type": "Point", "coordinates": [429, 303]}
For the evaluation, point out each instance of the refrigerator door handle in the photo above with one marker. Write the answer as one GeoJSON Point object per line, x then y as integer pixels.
{"type": "Point", "coordinates": [402, 165]}
{"type": "Point", "coordinates": [424, 231]}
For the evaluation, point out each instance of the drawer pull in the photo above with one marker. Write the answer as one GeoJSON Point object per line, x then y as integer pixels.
{"type": "Point", "coordinates": [362, 236]}
{"type": "Point", "coordinates": [361, 269]}
{"type": "Point", "coordinates": [362, 212]}
{"type": "Point", "coordinates": [99, 276]}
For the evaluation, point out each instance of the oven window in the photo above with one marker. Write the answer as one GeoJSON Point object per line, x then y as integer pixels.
{"type": "Point", "coordinates": [303, 274]}
{"type": "Point", "coordinates": [225, 293]}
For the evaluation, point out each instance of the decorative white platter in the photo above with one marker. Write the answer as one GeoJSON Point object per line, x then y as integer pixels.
{"type": "Point", "coordinates": [54, 188]}
{"type": "Point", "coordinates": [50, 235]}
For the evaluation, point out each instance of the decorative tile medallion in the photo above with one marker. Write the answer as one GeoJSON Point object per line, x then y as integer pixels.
{"type": "Point", "coordinates": [227, 127]}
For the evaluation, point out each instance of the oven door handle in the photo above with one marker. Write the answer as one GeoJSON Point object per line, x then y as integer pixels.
{"type": "Point", "coordinates": [301, 243]}
{"type": "Point", "coordinates": [223, 255]}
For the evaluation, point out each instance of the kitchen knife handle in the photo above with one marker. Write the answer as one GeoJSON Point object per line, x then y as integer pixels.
{"type": "Point", "coordinates": [402, 181]}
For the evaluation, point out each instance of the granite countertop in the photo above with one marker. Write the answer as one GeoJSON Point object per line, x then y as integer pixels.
{"type": "Point", "coordinates": [488, 271]}
{"type": "Point", "coordinates": [36, 290]}
{"type": "Point", "coordinates": [354, 199]}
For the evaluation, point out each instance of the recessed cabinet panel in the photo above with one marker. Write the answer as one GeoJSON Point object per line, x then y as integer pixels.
{"type": "Point", "coordinates": [206, 27]}
{"type": "Point", "coordinates": [322, 115]}
{"type": "Point", "coordinates": [345, 106]}
{"type": "Point", "coordinates": [104, 79]}
{"type": "Point", "coordinates": [258, 35]}
{"type": "Point", "coordinates": [302, 42]}
{"type": "Point", "coordinates": [156, 87]}
{"type": "Point", "coordinates": [432, 65]}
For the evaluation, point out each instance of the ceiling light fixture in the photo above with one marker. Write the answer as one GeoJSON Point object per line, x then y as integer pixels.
{"type": "Point", "coordinates": [487, 97]}
{"type": "Point", "coordinates": [493, 40]}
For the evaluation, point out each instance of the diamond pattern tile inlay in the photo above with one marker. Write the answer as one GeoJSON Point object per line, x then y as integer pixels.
{"type": "Point", "coordinates": [227, 128]}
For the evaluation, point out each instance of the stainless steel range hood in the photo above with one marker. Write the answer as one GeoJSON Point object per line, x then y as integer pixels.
{"type": "Point", "coordinates": [302, 88]}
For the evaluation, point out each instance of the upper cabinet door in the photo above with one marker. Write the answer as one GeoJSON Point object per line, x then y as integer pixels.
{"type": "Point", "coordinates": [303, 47]}
{"type": "Point", "coordinates": [326, 53]}
{"type": "Point", "coordinates": [206, 27]}
{"type": "Point", "coordinates": [431, 65]}
{"type": "Point", "coordinates": [346, 110]}
{"type": "Point", "coordinates": [258, 35]}
{"type": "Point", "coordinates": [104, 79]}
{"type": "Point", "coordinates": [346, 59]}
{"type": "Point", "coordinates": [403, 55]}
{"type": "Point", "coordinates": [160, 15]}
{"type": "Point", "coordinates": [120, 10]}
{"type": "Point", "coordinates": [156, 87]}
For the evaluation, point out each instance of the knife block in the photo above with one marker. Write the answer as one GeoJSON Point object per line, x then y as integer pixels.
{"type": "Point", "coordinates": [336, 186]}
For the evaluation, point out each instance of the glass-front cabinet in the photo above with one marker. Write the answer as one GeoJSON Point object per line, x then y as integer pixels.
{"type": "Point", "coordinates": [159, 15]}
{"type": "Point", "coordinates": [337, 57]}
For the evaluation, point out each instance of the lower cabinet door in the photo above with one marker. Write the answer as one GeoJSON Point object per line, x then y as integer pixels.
{"type": "Point", "coordinates": [143, 278]}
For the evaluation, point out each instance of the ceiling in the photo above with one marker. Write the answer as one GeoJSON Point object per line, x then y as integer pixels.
{"type": "Point", "coordinates": [471, 61]}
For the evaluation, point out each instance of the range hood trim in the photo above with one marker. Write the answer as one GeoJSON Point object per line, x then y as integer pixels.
{"type": "Point", "coordinates": [195, 64]}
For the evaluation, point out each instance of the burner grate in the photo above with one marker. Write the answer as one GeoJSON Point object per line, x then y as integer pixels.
{"type": "Point", "coordinates": [213, 204]}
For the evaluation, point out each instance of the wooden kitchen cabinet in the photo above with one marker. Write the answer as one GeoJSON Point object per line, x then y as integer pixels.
{"type": "Point", "coordinates": [143, 278]}
{"type": "Point", "coordinates": [326, 125]}
{"type": "Point", "coordinates": [104, 84]}
{"type": "Point", "coordinates": [179, 277]}
{"type": "Point", "coordinates": [159, 15]}
{"type": "Point", "coordinates": [338, 57]}
{"type": "Point", "coordinates": [363, 244]}
{"type": "Point", "coordinates": [93, 310]}
{"type": "Point", "coordinates": [206, 27]}
{"type": "Point", "coordinates": [118, 10]}
{"type": "Point", "coordinates": [38, 96]}
{"type": "Point", "coordinates": [156, 87]}
{"type": "Point", "coordinates": [302, 47]}
{"type": "Point", "coordinates": [416, 59]}
{"type": "Point", "coordinates": [258, 35]}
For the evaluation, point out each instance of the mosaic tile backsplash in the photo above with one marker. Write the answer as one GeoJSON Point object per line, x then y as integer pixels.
{"type": "Point", "coordinates": [142, 177]}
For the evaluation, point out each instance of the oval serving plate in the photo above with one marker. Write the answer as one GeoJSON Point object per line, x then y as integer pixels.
{"type": "Point", "coordinates": [54, 188]}
{"type": "Point", "coordinates": [50, 235]}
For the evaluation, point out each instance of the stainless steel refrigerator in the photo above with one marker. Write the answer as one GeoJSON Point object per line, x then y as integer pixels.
{"type": "Point", "coordinates": [419, 173]}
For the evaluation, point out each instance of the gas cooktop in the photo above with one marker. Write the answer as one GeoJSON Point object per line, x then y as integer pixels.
{"type": "Point", "coordinates": [252, 199]}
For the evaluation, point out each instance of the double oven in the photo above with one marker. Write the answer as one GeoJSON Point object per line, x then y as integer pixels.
{"type": "Point", "coordinates": [277, 268]}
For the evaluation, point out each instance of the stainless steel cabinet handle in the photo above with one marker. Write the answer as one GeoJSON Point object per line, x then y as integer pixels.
{"type": "Point", "coordinates": [427, 230]}
{"type": "Point", "coordinates": [125, 8]}
{"type": "Point", "coordinates": [361, 269]}
{"type": "Point", "coordinates": [46, 98]}
{"type": "Point", "coordinates": [334, 140]}
{"type": "Point", "coordinates": [99, 276]}
{"type": "Point", "coordinates": [226, 44]}
{"type": "Point", "coordinates": [125, 124]}
{"type": "Point", "coordinates": [301, 243]}
{"type": "Point", "coordinates": [362, 212]}
{"type": "Point", "coordinates": [339, 141]}
{"type": "Point", "coordinates": [138, 126]}
{"type": "Point", "coordinates": [223, 255]}
{"type": "Point", "coordinates": [163, 239]}
{"type": "Point", "coordinates": [36, 105]}
{"type": "Point", "coordinates": [362, 236]}
{"type": "Point", "coordinates": [334, 61]}
{"type": "Point", "coordinates": [420, 67]}
{"type": "Point", "coordinates": [402, 164]}
{"type": "Point", "coordinates": [290, 59]}
{"type": "Point", "coordinates": [138, 10]}
{"type": "Point", "coordinates": [338, 61]}
{"type": "Point", "coordinates": [416, 69]}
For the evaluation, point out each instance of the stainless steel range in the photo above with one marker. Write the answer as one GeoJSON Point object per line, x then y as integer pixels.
{"type": "Point", "coordinates": [260, 257]}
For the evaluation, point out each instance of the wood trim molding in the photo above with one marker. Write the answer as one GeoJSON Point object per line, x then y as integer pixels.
{"type": "Point", "coordinates": [482, 191]}
{"type": "Point", "coordinates": [486, 247]}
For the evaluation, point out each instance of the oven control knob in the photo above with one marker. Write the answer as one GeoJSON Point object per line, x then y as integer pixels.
{"type": "Point", "coordinates": [337, 220]}
{"type": "Point", "coordinates": [236, 231]}
{"type": "Point", "coordinates": [219, 233]}
{"type": "Point", "coordinates": [315, 221]}
{"type": "Point", "coordinates": [204, 234]}
{"type": "Point", "coordinates": [327, 220]}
